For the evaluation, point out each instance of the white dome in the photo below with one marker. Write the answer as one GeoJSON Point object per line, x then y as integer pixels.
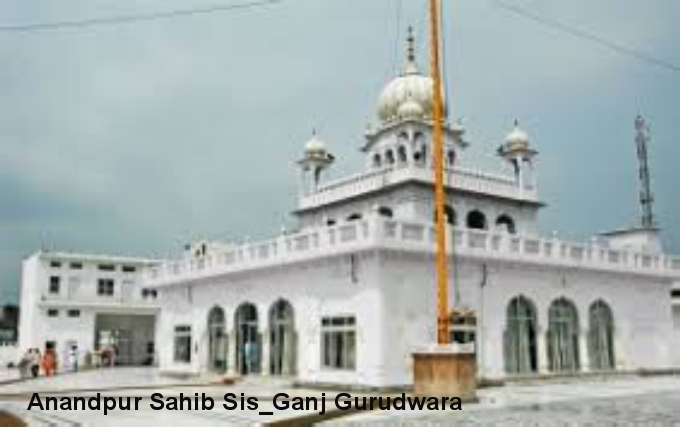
{"type": "Point", "coordinates": [517, 137]}
{"type": "Point", "coordinates": [315, 146]}
{"type": "Point", "coordinates": [410, 87]}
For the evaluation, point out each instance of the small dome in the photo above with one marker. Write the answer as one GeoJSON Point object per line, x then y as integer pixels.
{"type": "Point", "coordinates": [315, 146]}
{"type": "Point", "coordinates": [517, 138]}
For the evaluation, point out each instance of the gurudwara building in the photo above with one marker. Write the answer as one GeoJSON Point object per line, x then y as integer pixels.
{"type": "Point", "coordinates": [349, 295]}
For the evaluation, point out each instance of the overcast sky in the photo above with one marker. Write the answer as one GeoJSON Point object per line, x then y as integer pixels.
{"type": "Point", "coordinates": [134, 139]}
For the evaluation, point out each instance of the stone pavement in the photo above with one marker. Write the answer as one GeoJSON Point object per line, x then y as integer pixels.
{"type": "Point", "coordinates": [631, 401]}
{"type": "Point", "coordinates": [98, 378]}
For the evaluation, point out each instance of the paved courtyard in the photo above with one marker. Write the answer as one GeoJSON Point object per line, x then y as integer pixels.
{"type": "Point", "coordinates": [623, 401]}
{"type": "Point", "coordinates": [648, 409]}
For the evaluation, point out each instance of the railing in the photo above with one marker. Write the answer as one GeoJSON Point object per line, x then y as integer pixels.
{"type": "Point", "coordinates": [458, 178]}
{"type": "Point", "coordinates": [379, 232]}
{"type": "Point", "coordinates": [117, 299]}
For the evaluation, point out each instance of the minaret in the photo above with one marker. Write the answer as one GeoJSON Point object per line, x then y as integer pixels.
{"type": "Point", "coordinates": [518, 152]}
{"type": "Point", "coordinates": [315, 160]}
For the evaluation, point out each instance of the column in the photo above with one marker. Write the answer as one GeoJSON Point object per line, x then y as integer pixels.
{"type": "Point", "coordinates": [542, 343]}
{"type": "Point", "coordinates": [232, 369]}
{"type": "Point", "coordinates": [583, 350]}
{"type": "Point", "coordinates": [264, 362]}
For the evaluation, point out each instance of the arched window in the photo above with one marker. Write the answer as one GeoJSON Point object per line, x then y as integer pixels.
{"type": "Point", "coordinates": [476, 220]}
{"type": "Point", "coordinates": [217, 340]}
{"type": "Point", "coordinates": [403, 157]}
{"type": "Point", "coordinates": [354, 217]}
{"type": "Point", "coordinates": [377, 161]}
{"type": "Point", "coordinates": [248, 348]}
{"type": "Point", "coordinates": [563, 336]}
{"type": "Point", "coordinates": [519, 339]}
{"type": "Point", "coordinates": [389, 157]}
{"type": "Point", "coordinates": [601, 337]}
{"type": "Point", "coordinates": [506, 223]}
{"type": "Point", "coordinates": [385, 211]}
{"type": "Point", "coordinates": [282, 339]}
{"type": "Point", "coordinates": [419, 149]}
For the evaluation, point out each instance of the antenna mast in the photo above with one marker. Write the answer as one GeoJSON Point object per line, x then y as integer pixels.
{"type": "Point", "coordinates": [646, 197]}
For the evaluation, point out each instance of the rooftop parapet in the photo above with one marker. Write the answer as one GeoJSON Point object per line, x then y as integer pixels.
{"type": "Point", "coordinates": [379, 233]}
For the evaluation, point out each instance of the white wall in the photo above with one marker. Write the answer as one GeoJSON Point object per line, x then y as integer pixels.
{"type": "Point", "coordinates": [641, 309]}
{"type": "Point", "coordinates": [316, 289]}
{"type": "Point", "coordinates": [394, 303]}
{"type": "Point", "coordinates": [676, 336]}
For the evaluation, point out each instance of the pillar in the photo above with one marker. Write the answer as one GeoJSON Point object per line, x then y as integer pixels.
{"type": "Point", "coordinates": [266, 347]}
{"type": "Point", "coordinates": [542, 344]}
{"type": "Point", "coordinates": [232, 368]}
{"type": "Point", "coordinates": [583, 350]}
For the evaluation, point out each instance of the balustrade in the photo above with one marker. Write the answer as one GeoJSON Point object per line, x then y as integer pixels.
{"type": "Point", "coordinates": [411, 236]}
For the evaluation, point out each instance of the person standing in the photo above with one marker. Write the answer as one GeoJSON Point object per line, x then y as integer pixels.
{"type": "Point", "coordinates": [73, 358]}
{"type": "Point", "coordinates": [49, 362]}
{"type": "Point", "coordinates": [34, 362]}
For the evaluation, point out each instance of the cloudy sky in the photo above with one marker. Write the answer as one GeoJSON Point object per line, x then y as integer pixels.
{"type": "Point", "coordinates": [137, 138]}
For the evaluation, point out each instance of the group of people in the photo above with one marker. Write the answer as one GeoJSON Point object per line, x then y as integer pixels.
{"type": "Point", "coordinates": [33, 361]}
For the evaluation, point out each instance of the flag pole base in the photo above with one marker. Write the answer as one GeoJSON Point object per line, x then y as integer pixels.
{"type": "Point", "coordinates": [445, 371]}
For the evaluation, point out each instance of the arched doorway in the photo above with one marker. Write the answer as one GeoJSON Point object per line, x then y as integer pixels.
{"type": "Point", "coordinates": [563, 336]}
{"type": "Point", "coordinates": [282, 339]}
{"type": "Point", "coordinates": [217, 341]}
{"type": "Point", "coordinates": [248, 348]}
{"type": "Point", "coordinates": [520, 349]}
{"type": "Point", "coordinates": [601, 337]}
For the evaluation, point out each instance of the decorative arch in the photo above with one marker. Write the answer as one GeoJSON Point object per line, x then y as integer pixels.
{"type": "Point", "coordinates": [520, 337]}
{"type": "Point", "coordinates": [401, 154]}
{"type": "Point", "coordinates": [601, 337]}
{"type": "Point", "coordinates": [282, 339]}
{"type": "Point", "coordinates": [389, 157]}
{"type": "Point", "coordinates": [377, 160]}
{"type": "Point", "coordinates": [506, 223]}
{"type": "Point", "coordinates": [248, 340]}
{"type": "Point", "coordinates": [563, 336]}
{"type": "Point", "coordinates": [420, 149]}
{"type": "Point", "coordinates": [476, 220]}
{"type": "Point", "coordinates": [217, 340]}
